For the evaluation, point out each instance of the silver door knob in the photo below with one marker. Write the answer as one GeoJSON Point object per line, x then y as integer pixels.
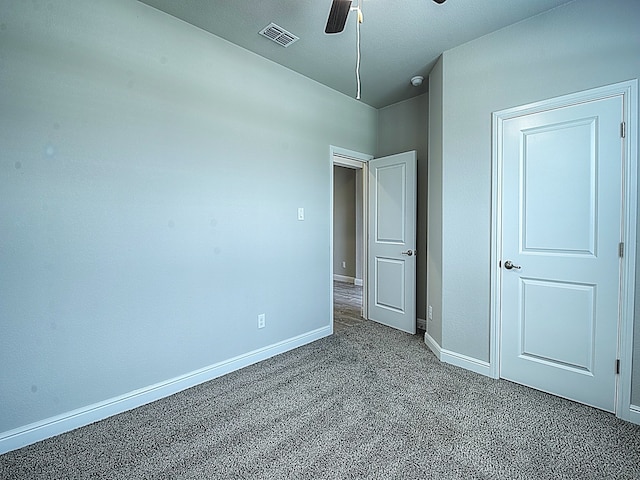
{"type": "Point", "coordinates": [407, 253]}
{"type": "Point", "coordinates": [508, 265]}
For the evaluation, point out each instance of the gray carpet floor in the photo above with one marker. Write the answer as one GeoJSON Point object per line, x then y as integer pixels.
{"type": "Point", "coordinates": [367, 402]}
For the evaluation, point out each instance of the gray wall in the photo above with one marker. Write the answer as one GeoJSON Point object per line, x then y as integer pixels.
{"type": "Point", "coordinates": [582, 45]}
{"type": "Point", "coordinates": [145, 219]}
{"type": "Point", "coordinates": [403, 127]}
{"type": "Point", "coordinates": [434, 205]}
{"type": "Point", "coordinates": [344, 221]}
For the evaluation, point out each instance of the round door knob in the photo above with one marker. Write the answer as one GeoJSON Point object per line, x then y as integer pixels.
{"type": "Point", "coordinates": [407, 253]}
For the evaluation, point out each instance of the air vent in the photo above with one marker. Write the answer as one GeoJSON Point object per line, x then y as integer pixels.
{"type": "Point", "coordinates": [278, 35]}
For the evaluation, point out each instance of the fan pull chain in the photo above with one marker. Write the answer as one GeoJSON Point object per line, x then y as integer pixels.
{"type": "Point", "coordinates": [358, 50]}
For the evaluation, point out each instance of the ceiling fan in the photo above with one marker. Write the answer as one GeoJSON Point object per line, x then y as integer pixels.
{"type": "Point", "coordinates": [336, 22]}
{"type": "Point", "coordinates": [340, 11]}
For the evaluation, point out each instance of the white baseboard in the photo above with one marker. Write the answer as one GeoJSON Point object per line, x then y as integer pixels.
{"type": "Point", "coordinates": [468, 363]}
{"type": "Point", "coordinates": [432, 344]}
{"type": "Point", "coordinates": [346, 279]}
{"type": "Point", "coordinates": [421, 324]}
{"type": "Point", "coordinates": [343, 278]}
{"type": "Point", "coordinates": [50, 427]}
{"type": "Point", "coordinates": [457, 359]}
{"type": "Point", "coordinates": [633, 415]}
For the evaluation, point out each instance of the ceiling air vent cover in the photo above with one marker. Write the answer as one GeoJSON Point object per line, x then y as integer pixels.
{"type": "Point", "coordinates": [278, 35]}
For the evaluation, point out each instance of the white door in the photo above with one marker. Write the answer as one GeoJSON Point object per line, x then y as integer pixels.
{"type": "Point", "coordinates": [392, 241]}
{"type": "Point", "coordinates": [561, 231]}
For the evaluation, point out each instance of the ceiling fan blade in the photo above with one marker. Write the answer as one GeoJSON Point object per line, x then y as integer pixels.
{"type": "Point", "coordinates": [338, 16]}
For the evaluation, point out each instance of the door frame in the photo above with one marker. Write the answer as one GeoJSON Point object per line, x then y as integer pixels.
{"type": "Point", "coordinates": [629, 92]}
{"type": "Point", "coordinates": [348, 158]}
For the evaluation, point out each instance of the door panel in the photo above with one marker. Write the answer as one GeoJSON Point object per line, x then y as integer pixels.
{"type": "Point", "coordinates": [562, 311]}
{"type": "Point", "coordinates": [561, 225]}
{"type": "Point", "coordinates": [545, 181]}
{"type": "Point", "coordinates": [390, 207]}
{"type": "Point", "coordinates": [390, 292]}
{"type": "Point", "coordinates": [392, 231]}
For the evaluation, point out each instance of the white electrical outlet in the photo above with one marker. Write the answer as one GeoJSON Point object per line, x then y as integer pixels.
{"type": "Point", "coordinates": [300, 213]}
{"type": "Point", "coordinates": [262, 320]}
{"type": "Point", "coordinates": [344, 264]}
{"type": "Point", "coordinates": [430, 312]}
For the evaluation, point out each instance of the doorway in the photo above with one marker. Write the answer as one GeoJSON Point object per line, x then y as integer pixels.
{"type": "Point", "coordinates": [349, 178]}
{"type": "Point", "coordinates": [386, 254]}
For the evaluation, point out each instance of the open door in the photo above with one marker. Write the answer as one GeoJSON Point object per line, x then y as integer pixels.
{"type": "Point", "coordinates": [392, 252]}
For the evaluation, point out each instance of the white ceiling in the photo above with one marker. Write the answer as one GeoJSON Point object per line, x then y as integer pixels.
{"type": "Point", "coordinates": [399, 38]}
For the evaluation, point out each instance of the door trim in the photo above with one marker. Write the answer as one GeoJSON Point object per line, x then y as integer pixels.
{"type": "Point", "coordinates": [629, 92]}
{"type": "Point", "coordinates": [352, 159]}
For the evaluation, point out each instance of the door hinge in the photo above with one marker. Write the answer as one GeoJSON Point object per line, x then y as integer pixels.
{"type": "Point", "coordinates": [623, 129]}
{"type": "Point", "coordinates": [618, 366]}
{"type": "Point", "coordinates": [621, 249]}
